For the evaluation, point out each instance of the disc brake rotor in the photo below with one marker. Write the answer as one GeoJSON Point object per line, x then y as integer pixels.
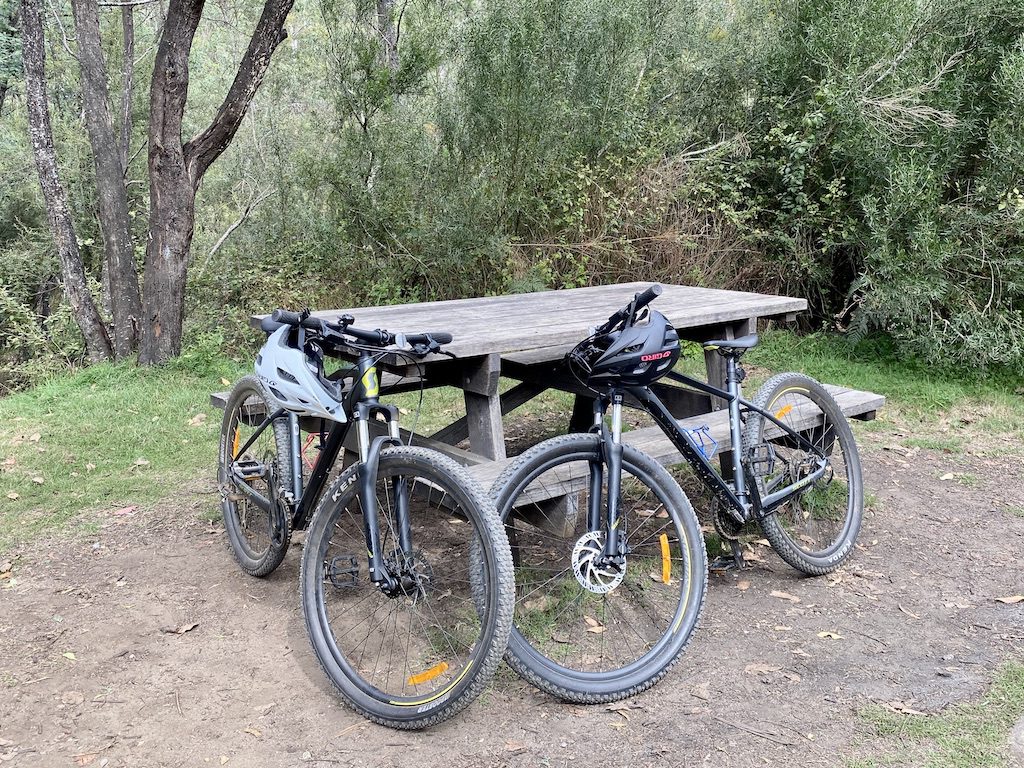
{"type": "Point", "coordinates": [591, 573]}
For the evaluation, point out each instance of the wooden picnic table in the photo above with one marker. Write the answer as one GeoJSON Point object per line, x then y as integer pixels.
{"type": "Point", "coordinates": [524, 337]}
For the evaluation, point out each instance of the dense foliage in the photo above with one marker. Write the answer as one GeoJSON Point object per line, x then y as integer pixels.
{"type": "Point", "coordinates": [866, 154]}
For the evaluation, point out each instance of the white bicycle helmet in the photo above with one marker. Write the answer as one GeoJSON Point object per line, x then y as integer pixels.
{"type": "Point", "coordinates": [295, 380]}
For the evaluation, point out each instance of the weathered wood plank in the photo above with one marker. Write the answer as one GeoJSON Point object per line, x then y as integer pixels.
{"type": "Point", "coordinates": [557, 319]}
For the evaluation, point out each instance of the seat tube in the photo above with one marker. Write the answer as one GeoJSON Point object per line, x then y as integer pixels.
{"type": "Point", "coordinates": [735, 428]}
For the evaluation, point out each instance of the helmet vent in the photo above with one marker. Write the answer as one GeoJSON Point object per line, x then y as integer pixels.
{"type": "Point", "coordinates": [632, 348]}
{"type": "Point", "coordinates": [286, 376]}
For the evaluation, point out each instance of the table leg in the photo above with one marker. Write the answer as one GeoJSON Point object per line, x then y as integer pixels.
{"type": "Point", "coordinates": [483, 407]}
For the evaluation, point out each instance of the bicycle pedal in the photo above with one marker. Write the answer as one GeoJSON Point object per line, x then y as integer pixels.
{"type": "Point", "coordinates": [343, 571]}
{"type": "Point", "coordinates": [250, 469]}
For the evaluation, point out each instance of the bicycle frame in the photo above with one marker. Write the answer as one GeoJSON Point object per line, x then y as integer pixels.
{"type": "Point", "coordinates": [363, 405]}
{"type": "Point", "coordinates": [742, 499]}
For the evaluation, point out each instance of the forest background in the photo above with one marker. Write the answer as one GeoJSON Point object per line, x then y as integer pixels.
{"type": "Point", "coordinates": [866, 155]}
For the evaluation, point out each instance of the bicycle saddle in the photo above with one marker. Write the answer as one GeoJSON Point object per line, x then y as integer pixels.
{"type": "Point", "coordinates": [732, 346]}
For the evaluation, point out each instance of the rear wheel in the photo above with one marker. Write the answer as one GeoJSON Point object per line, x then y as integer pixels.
{"type": "Point", "coordinates": [584, 632]}
{"type": "Point", "coordinates": [419, 655]}
{"type": "Point", "coordinates": [815, 530]}
{"type": "Point", "coordinates": [258, 538]}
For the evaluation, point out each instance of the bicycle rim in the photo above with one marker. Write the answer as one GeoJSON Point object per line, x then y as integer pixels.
{"type": "Point", "coordinates": [411, 649]}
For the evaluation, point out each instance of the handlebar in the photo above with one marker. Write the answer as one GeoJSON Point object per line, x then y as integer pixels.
{"type": "Point", "coordinates": [419, 343]}
{"type": "Point", "coordinates": [628, 313]}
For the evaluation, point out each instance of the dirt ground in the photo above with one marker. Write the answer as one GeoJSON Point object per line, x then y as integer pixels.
{"type": "Point", "coordinates": [93, 671]}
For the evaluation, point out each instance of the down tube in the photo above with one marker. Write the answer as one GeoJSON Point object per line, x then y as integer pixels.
{"type": "Point", "coordinates": [685, 445]}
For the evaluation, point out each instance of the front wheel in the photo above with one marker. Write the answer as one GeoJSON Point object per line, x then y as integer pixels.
{"type": "Point", "coordinates": [814, 530]}
{"type": "Point", "coordinates": [586, 632]}
{"type": "Point", "coordinates": [417, 656]}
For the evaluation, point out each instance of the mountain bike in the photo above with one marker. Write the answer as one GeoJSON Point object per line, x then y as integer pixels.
{"type": "Point", "coordinates": [609, 557]}
{"type": "Point", "coordinates": [401, 625]}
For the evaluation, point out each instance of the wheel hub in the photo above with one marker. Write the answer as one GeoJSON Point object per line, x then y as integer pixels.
{"type": "Point", "coordinates": [589, 567]}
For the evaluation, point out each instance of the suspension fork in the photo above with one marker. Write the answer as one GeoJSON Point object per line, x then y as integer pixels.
{"type": "Point", "coordinates": [369, 457]}
{"type": "Point", "coordinates": [612, 443]}
{"type": "Point", "coordinates": [596, 471]}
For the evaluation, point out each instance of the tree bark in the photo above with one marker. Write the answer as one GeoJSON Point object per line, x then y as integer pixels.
{"type": "Point", "coordinates": [387, 27]}
{"type": "Point", "coordinates": [41, 134]}
{"type": "Point", "coordinates": [115, 225]}
{"type": "Point", "coordinates": [127, 84]}
{"type": "Point", "coordinates": [176, 170]}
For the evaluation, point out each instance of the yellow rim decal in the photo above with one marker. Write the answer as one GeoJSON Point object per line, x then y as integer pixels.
{"type": "Point", "coordinates": [783, 411]}
{"type": "Point", "coordinates": [666, 561]}
{"type": "Point", "coordinates": [437, 695]}
{"type": "Point", "coordinates": [234, 444]}
{"type": "Point", "coordinates": [371, 384]}
{"type": "Point", "coordinates": [428, 674]}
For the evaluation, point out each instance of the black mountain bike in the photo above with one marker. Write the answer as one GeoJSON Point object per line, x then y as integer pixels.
{"type": "Point", "coordinates": [609, 558]}
{"type": "Point", "coordinates": [402, 627]}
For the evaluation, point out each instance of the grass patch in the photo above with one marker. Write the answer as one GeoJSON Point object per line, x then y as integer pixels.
{"type": "Point", "coordinates": [935, 443]}
{"type": "Point", "coordinates": [966, 735]}
{"type": "Point", "coordinates": [106, 437]}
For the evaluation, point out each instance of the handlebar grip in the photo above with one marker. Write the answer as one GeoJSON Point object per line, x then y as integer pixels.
{"type": "Point", "coordinates": [645, 298]}
{"type": "Point", "coordinates": [441, 337]}
{"type": "Point", "coordinates": [285, 317]}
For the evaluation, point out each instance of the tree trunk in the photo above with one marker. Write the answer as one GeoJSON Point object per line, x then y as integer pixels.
{"type": "Point", "coordinates": [75, 286]}
{"type": "Point", "coordinates": [127, 84]}
{"type": "Point", "coordinates": [176, 170]}
{"type": "Point", "coordinates": [387, 28]}
{"type": "Point", "coordinates": [115, 225]}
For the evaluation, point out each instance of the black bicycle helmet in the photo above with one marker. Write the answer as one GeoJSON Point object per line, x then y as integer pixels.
{"type": "Point", "coordinates": [634, 356]}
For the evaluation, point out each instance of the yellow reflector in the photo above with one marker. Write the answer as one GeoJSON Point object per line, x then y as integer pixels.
{"type": "Point", "coordinates": [783, 411]}
{"type": "Point", "coordinates": [430, 674]}
{"type": "Point", "coordinates": [666, 561]}
{"type": "Point", "coordinates": [234, 444]}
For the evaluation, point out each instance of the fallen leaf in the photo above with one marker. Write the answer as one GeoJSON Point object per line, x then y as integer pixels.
{"type": "Point", "coordinates": [947, 476]}
{"type": "Point", "coordinates": [223, 759]}
{"type": "Point", "coordinates": [197, 420]}
{"type": "Point", "coordinates": [90, 467]}
{"type": "Point", "coordinates": [561, 637]}
{"type": "Point", "coordinates": [800, 652]}
{"type": "Point", "coordinates": [72, 698]}
{"type": "Point", "coordinates": [782, 628]}
{"type": "Point", "coordinates": [743, 586]}
{"type": "Point", "coordinates": [596, 630]}
{"type": "Point", "coordinates": [180, 630]}
{"type": "Point", "coordinates": [253, 732]}
{"type": "Point", "coordinates": [38, 480]}
{"type": "Point", "coordinates": [701, 692]}
{"type": "Point", "coordinates": [830, 636]}
{"type": "Point", "coordinates": [760, 669]}
{"type": "Point", "coordinates": [34, 438]}
{"type": "Point", "coordinates": [515, 747]}
{"type": "Point", "coordinates": [225, 382]}
{"type": "Point", "coordinates": [142, 462]}
{"type": "Point", "coordinates": [69, 655]}
{"type": "Point", "coordinates": [86, 758]}
{"type": "Point", "coordinates": [6, 566]}
{"type": "Point", "coordinates": [1011, 599]}
{"type": "Point", "coordinates": [784, 596]}
{"type": "Point", "coordinates": [13, 496]}
{"type": "Point", "coordinates": [591, 621]}
{"type": "Point", "coordinates": [123, 511]}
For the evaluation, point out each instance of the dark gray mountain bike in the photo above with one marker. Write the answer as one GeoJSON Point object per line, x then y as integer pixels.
{"type": "Point", "coordinates": [609, 557]}
{"type": "Point", "coordinates": [403, 627]}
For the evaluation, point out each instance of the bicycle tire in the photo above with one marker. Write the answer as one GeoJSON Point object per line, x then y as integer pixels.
{"type": "Point", "coordinates": [803, 512]}
{"type": "Point", "coordinates": [485, 595]}
{"type": "Point", "coordinates": [264, 558]}
{"type": "Point", "coordinates": [610, 684]}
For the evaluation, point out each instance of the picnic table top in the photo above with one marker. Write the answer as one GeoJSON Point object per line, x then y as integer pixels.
{"type": "Point", "coordinates": [558, 319]}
